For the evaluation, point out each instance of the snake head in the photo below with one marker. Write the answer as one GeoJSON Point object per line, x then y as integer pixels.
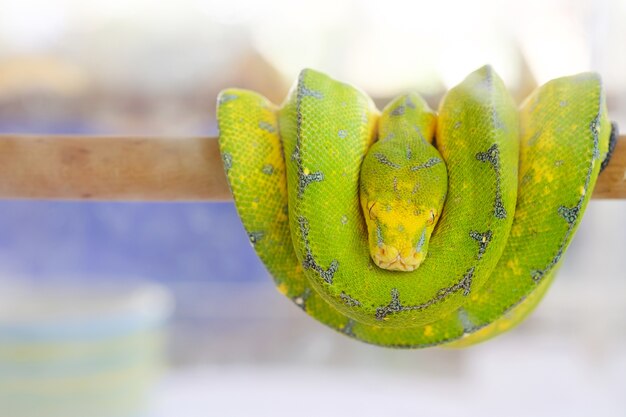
{"type": "Point", "coordinates": [398, 234]}
{"type": "Point", "coordinates": [401, 199]}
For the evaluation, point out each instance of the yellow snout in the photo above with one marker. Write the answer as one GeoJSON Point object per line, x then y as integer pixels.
{"type": "Point", "coordinates": [389, 257]}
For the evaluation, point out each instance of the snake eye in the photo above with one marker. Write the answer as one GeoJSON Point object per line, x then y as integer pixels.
{"type": "Point", "coordinates": [431, 219]}
{"type": "Point", "coordinates": [370, 209]}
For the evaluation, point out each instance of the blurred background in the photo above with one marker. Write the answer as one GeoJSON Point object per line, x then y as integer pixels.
{"type": "Point", "coordinates": [87, 290]}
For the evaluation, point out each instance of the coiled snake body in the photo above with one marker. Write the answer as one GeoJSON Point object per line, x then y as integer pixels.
{"type": "Point", "coordinates": [331, 192]}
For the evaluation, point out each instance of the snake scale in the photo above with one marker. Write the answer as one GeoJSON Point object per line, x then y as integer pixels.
{"type": "Point", "coordinates": [408, 227]}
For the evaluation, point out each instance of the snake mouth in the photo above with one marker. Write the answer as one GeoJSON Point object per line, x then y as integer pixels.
{"type": "Point", "coordinates": [390, 258]}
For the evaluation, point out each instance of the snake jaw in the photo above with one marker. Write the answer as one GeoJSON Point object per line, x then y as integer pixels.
{"type": "Point", "coordinates": [398, 233]}
{"type": "Point", "coordinates": [390, 258]}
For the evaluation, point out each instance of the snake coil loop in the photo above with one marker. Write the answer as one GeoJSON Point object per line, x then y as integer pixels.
{"type": "Point", "coordinates": [325, 180]}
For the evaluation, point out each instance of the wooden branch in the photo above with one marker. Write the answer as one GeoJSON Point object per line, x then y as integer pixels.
{"type": "Point", "coordinates": [612, 181]}
{"type": "Point", "coordinates": [111, 168]}
{"type": "Point", "coordinates": [151, 169]}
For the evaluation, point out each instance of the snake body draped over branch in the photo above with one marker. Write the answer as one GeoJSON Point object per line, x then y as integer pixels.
{"type": "Point", "coordinates": [470, 231]}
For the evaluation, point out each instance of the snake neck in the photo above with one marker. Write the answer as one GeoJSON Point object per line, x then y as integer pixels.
{"type": "Point", "coordinates": [403, 185]}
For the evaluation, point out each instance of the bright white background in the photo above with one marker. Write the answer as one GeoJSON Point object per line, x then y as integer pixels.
{"type": "Point", "coordinates": [237, 347]}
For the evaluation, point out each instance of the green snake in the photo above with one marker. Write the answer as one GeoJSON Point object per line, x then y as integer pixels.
{"type": "Point", "coordinates": [408, 227]}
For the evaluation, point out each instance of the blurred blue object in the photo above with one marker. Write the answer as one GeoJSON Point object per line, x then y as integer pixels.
{"type": "Point", "coordinates": [168, 242]}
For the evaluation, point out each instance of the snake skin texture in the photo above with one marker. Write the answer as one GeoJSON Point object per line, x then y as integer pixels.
{"type": "Point", "coordinates": [518, 181]}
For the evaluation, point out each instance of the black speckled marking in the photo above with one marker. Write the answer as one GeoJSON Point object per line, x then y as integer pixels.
{"type": "Point", "coordinates": [348, 328]}
{"type": "Point", "coordinates": [268, 169]}
{"type": "Point", "coordinates": [224, 98]}
{"type": "Point", "coordinates": [419, 133]}
{"type": "Point", "coordinates": [398, 111]}
{"type": "Point", "coordinates": [349, 301]}
{"type": "Point", "coordinates": [303, 179]}
{"type": "Point", "coordinates": [409, 103]}
{"type": "Point", "coordinates": [306, 179]}
{"type": "Point", "coordinates": [227, 159]}
{"type": "Point", "coordinates": [307, 92]}
{"type": "Point", "coordinates": [612, 144]}
{"type": "Point", "coordinates": [569, 214]}
{"type": "Point", "coordinates": [466, 322]}
{"type": "Point", "coordinates": [301, 300]}
{"type": "Point", "coordinates": [483, 240]}
{"type": "Point", "coordinates": [537, 274]}
{"type": "Point", "coordinates": [383, 160]}
{"type": "Point", "coordinates": [309, 261]}
{"type": "Point", "coordinates": [255, 237]}
{"type": "Point", "coordinates": [492, 156]}
{"type": "Point", "coordinates": [268, 127]}
{"type": "Point", "coordinates": [595, 131]}
{"type": "Point", "coordinates": [395, 306]}
{"type": "Point", "coordinates": [430, 163]}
